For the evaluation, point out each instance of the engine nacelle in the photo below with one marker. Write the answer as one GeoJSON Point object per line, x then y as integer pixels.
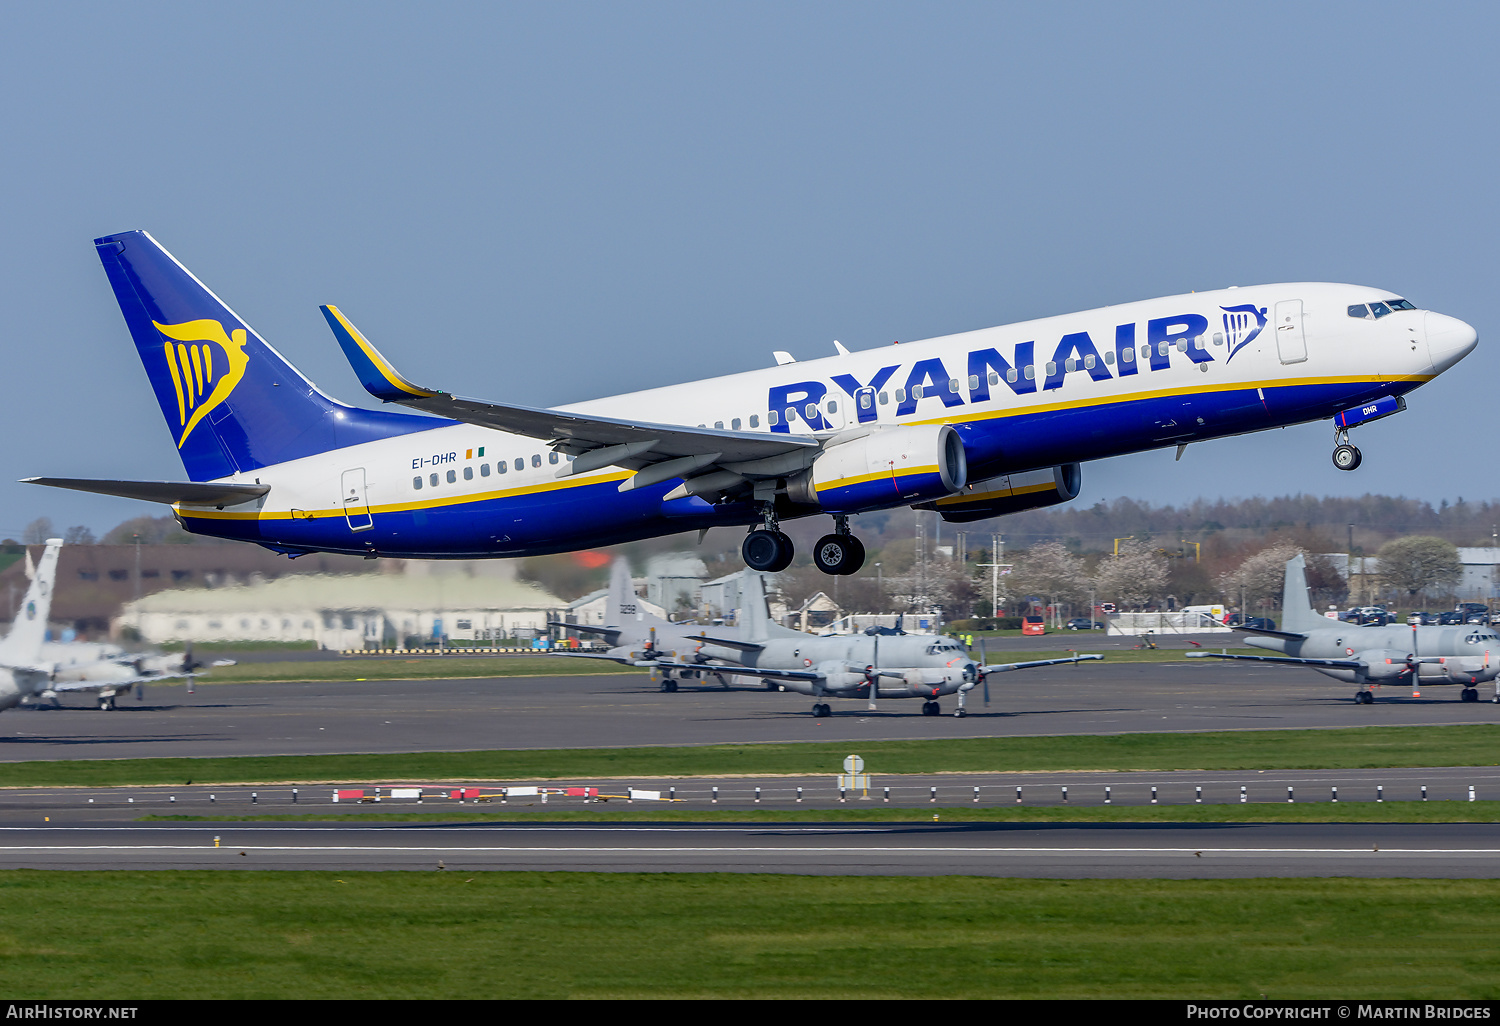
{"type": "Point", "coordinates": [1010, 493]}
{"type": "Point", "coordinates": [888, 466]}
{"type": "Point", "coordinates": [1384, 664]}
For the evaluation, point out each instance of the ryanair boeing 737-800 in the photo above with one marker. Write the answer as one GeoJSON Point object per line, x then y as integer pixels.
{"type": "Point", "coordinates": [972, 425]}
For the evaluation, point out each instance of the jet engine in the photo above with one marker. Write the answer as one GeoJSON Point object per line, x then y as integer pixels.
{"type": "Point", "coordinates": [1010, 493]}
{"type": "Point", "coordinates": [887, 466]}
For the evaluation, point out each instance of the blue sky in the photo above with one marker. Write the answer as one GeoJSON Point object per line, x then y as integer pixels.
{"type": "Point", "coordinates": [545, 203]}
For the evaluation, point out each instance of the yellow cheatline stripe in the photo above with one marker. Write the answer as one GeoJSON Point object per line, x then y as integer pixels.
{"type": "Point", "coordinates": [1167, 393]}
{"type": "Point", "coordinates": [406, 507]}
{"type": "Point", "coordinates": [381, 365]}
{"type": "Point", "coordinates": [847, 482]}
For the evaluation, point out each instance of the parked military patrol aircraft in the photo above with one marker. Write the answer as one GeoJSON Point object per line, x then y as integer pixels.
{"type": "Point", "coordinates": [22, 671]}
{"type": "Point", "coordinates": [1373, 656]}
{"type": "Point", "coordinates": [637, 637]}
{"type": "Point", "coordinates": [880, 663]}
{"type": "Point", "coordinates": [972, 425]}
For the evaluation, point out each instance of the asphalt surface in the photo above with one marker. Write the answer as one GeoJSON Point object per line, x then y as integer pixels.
{"type": "Point", "coordinates": [1068, 851]}
{"type": "Point", "coordinates": [609, 710]}
{"type": "Point", "coordinates": [82, 828]}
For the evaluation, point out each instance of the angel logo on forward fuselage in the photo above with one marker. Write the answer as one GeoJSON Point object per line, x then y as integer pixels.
{"type": "Point", "coordinates": [1237, 330]}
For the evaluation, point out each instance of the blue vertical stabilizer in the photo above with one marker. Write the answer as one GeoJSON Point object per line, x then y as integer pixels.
{"type": "Point", "coordinates": [232, 403]}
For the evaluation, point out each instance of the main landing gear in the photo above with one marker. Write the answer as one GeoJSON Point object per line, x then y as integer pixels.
{"type": "Point", "coordinates": [1364, 698]}
{"type": "Point", "coordinates": [1345, 456]}
{"type": "Point", "coordinates": [839, 554]}
{"type": "Point", "coordinates": [766, 548]}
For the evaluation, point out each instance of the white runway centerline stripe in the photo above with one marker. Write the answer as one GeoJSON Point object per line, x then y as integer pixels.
{"type": "Point", "coordinates": [755, 850]}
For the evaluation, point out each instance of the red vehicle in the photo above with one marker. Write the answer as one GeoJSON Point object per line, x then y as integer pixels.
{"type": "Point", "coordinates": [1033, 625]}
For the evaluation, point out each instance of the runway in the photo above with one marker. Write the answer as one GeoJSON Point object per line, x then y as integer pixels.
{"type": "Point", "coordinates": [624, 710]}
{"type": "Point", "coordinates": [1058, 851]}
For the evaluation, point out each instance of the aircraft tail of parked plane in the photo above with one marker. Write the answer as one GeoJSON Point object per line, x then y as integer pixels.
{"type": "Point", "coordinates": [21, 649]}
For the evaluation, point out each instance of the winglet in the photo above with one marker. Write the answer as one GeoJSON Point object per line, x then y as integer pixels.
{"type": "Point", "coordinates": [373, 370]}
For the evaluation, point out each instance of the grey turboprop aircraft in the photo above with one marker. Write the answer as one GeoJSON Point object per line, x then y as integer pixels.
{"type": "Point", "coordinates": [673, 651]}
{"type": "Point", "coordinates": [1373, 656]}
{"type": "Point", "coordinates": [880, 663]}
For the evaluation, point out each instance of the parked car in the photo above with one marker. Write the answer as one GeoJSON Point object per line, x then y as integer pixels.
{"type": "Point", "coordinates": [1422, 619]}
{"type": "Point", "coordinates": [1451, 618]}
{"type": "Point", "coordinates": [1083, 623]}
{"type": "Point", "coordinates": [1260, 623]}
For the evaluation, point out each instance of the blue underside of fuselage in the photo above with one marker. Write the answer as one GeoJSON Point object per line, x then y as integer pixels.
{"type": "Point", "coordinates": [587, 515]}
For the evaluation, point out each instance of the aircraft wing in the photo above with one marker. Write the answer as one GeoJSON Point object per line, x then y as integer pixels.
{"type": "Point", "coordinates": [739, 646]}
{"type": "Point", "coordinates": [1003, 667]}
{"type": "Point", "coordinates": [188, 492]}
{"type": "Point", "coordinates": [584, 627]}
{"type": "Point", "coordinates": [594, 655]}
{"type": "Point", "coordinates": [738, 671]}
{"type": "Point", "coordinates": [595, 442]}
{"type": "Point", "coordinates": [1342, 664]}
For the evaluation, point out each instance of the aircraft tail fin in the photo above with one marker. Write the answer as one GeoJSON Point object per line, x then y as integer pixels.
{"type": "Point", "coordinates": [622, 609]}
{"type": "Point", "coordinates": [23, 645]}
{"type": "Point", "coordinates": [755, 615]}
{"type": "Point", "coordinates": [232, 403]}
{"type": "Point", "coordinates": [1297, 613]}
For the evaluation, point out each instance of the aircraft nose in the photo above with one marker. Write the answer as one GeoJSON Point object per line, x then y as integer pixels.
{"type": "Point", "coordinates": [1448, 340]}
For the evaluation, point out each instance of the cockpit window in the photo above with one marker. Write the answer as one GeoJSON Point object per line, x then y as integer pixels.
{"type": "Point", "coordinates": [1377, 310]}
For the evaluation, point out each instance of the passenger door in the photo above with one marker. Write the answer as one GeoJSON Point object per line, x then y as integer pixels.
{"type": "Point", "coordinates": [356, 504]}
{"type": "Point", "coordinates": [1291, 343]}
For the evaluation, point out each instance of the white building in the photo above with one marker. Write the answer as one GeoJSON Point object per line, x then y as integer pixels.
{"type": "Point", "coordinates": [340, 612]}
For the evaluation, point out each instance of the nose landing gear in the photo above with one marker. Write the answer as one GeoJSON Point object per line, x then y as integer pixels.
{"type": "Point", "coordinates": [1345, 456]}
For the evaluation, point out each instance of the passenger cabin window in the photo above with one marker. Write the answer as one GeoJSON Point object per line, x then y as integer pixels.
{"type": "Point", "coordinates": [773, 418]}
{"type": "Point", "coordinates": [432, 479]}
{"type": "Point", "coordinates": [502, 466]}
{"type": "Point", "coordinates": [468, 473]}
{"type": "Point", "coordinates": [734, 425]}
{"type": "Point", "coordinates": [452, 477]}
{"type": "Point", "coordinates": [754, 421]}
{"type": "Point", "coordinates": [416, 482]}
{"type": "Point", "coordinates": [484, 470]}
{"type": "Point", "coordinates": [552, 457]}
{"type": "Point", "coordinates": [520, 463]}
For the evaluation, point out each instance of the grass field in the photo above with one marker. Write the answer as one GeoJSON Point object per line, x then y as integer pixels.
{"type": "Point", "coordinates": [1256, 812]}
{"type": "Point", "coordinates": [1358, 747]}
{"type": "Point", "coordinates": [138, 935]}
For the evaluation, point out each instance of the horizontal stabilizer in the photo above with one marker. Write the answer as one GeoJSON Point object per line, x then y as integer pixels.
{"type": "Point", "coordinates": [739, 646]}
{"type": "Point", "coordinates": [188, 492]}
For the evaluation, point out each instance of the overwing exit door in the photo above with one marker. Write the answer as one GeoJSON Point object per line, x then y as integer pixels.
{"type": "Point", "coordinates": [356, 504]}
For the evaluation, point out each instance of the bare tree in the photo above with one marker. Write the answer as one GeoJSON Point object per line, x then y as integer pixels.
{"type": "Point", "coordinates": [79, 535]}
{"type": "Point", "coordinates": [1259, 578]}
{"type": "Point", "coordinates": [38, 531]}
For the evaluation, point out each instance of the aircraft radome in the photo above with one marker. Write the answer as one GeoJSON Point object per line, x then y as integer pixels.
{"type": "Point", "coordinates": [972, 425]}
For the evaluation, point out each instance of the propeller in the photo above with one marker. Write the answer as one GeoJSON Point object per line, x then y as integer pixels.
{"type": "Point", "coordinates": [984, 678]}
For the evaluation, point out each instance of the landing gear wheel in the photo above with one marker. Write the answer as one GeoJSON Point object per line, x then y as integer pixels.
{"type": "Point", "coordinates": [767, 551]}
{"type": "Point", "coordinates": [1364, 698]}
{"type": "Point", "coordinates": [820, 710]}
{"type": "Point", "coordinates": [839, 555]}
{"type": "Point", "coordinates": [769, 685]}
{"type": "Point", "coordinates": [1469, 695]}
{"type": "Point", "coordinates": [106, 703]}
{"type": "Point", "coordinates": [669, 686]}
{"type": "Point", "coordinates": [931, 709]}
{"type": "Point", "coordinates": [1347, 457]}
{"type": "Point", "coordinates": [960, 712]}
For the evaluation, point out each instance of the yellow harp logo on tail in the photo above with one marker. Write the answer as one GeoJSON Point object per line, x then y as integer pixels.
{"type": "Point", "coordinates": [206, 364]}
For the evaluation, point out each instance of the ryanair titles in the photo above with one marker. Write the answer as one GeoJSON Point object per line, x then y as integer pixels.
{"type": "Point", "coordinates": [987, 369]}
